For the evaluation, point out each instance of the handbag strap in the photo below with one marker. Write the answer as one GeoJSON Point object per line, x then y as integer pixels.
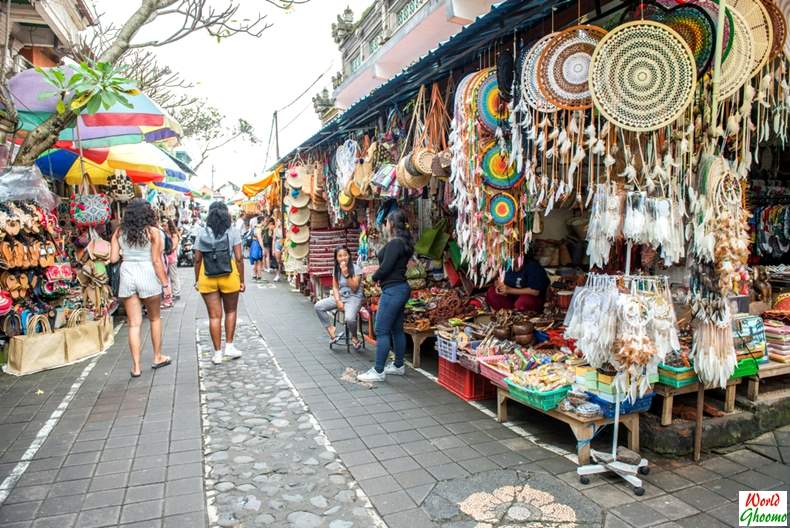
{"type": "Point", "coordinates": [38, 322]}
{"type": "Point", "coordinates": [76, 317]}
{"type": "Point", "coordinates": [12, 324]}
{"type": "Point", "coordinates": [417, 105]}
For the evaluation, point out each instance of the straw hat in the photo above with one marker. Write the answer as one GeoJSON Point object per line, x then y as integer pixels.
{"type": "Point", "coordinates": [299, 216]}
{"type": "Point", "coordinates": [297, 198]}
{"type": "Point", "coordinates": [297, 176]}
{"type": "Point", "coordinates": [299, 234]}
{"type": "Point", "coordinates": [299, 251]}
{"type": "Point", "coordinates": [346, 201]}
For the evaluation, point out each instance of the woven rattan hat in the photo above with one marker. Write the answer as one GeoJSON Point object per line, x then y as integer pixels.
{"type": "Point", "coordinates": [297, 176]}
{"type": "Point", "coordinates": [297, 198]}
{"type": "Point", "coordinates": [299, 216]}
{"type": "Point", "coordinates": [299, 234]}
{"type": "Point", "coordinates": [299, 251]}
{"type": "Point", "coordinates": [346, 202]}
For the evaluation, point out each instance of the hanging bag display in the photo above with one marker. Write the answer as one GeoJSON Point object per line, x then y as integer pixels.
{"type": "Point", "coordinates": [121, 186]}
{"type": "Point", "coordinates": [89, 208]}
{"type": "Point", "coordinates": [39, 349]}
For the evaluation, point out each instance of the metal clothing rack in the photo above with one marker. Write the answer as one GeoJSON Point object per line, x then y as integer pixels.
{"type": "Point", "coordinates": [607, 462]}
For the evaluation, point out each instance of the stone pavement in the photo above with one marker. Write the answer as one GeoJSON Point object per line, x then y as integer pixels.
{"type": "Point", "coordinates": [135, 452]}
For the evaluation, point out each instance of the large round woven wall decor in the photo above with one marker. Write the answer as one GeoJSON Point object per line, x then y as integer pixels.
{"type": "Point", "coordinates": [760, 28]}
{"type": "Point", "coordinates": [711, 7]}
{"type": "Point", "coordinates": [498, 172]}
{"type": "Point", "coordinates": [779, 23]}
{"type": "Point", "coordinates": [564, 65]}
{"type": "Point", "coordinates": [642, 76]}
{"type": "Point", "coordinates": [529, 79]}
{"type": "Point", "coordinates": [503, 208]}
{"type": "Point", "coordinates": [691, 21]}
{"type": "Point", "coordinates": [736, 70]}
{"type": "Point", "coordinates": [784, 7]}
{"type": "Point", "coordinates": [491, 110]}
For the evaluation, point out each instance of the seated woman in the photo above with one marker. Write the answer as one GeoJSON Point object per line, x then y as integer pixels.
{"type": "Point", "coordinates": [346, 296]}
{"type": "Point", "coordinates": [523, 290]}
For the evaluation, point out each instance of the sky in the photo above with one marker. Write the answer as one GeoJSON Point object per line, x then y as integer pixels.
{"type": "Point", "coordinates": [250, 78]}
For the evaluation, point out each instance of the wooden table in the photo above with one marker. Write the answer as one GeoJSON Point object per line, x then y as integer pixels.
{"type": "Point", "coordinates": [583, 429]}
{"type": "Point", "coordinates": [668, 394]}
{"type": "Point", "coordinates": [417, 339]}
{"type": "Point", "coordinates": [766, 370]}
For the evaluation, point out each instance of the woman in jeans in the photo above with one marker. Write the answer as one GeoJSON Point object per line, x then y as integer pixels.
{"type": "Point", "coordinates": [395, 292]}
{"type": "Point", "coordinates": [140, 243]}
{"type": "Point", "coordinates": [346, 296]}
{"type": "Point", "coordinates": [220, 292]}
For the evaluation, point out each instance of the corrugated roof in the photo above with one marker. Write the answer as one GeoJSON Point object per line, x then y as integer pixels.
{"type": "Point", "coordinates": [457, 51]}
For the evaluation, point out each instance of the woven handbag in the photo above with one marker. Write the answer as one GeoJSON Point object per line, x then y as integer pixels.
{"type": "Point", "coordinates": [121, 186]}
{"type": "Point", "coordinates": [89, 208]}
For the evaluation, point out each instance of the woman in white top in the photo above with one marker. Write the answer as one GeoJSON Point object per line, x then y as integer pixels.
{"type": "Point", "coordinates": [140, 243]}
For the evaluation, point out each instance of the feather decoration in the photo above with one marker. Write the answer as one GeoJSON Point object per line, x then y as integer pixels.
{"type": "Point", "coordinates": [733, 126]}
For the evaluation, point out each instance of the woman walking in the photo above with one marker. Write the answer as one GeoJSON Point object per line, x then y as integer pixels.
{"type": "Point", "coordinates": [346, 297]}
{"type": "Point", "coordinates": [277, 245]}
{"type": "Point", "coordinates": [256, 250]}
{"type": "Point", "coordinates": [219, 277]}
{"type": "Point", "coordinates": [172, 258]}
{"type": "Point", "coordinates": [267, 234]}
{"type": "Point", "coordinates": [395, 292]}
{"type": "Point", "coordinates": [140, 243]}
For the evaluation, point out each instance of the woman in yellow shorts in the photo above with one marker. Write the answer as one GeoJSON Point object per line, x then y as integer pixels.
{"type": "Point", "coordinates": [220, 242]}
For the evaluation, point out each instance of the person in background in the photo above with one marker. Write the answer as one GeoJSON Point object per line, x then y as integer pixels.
{"type": "Point", "coordinates": [142, 277]}
{"type": "Point", "coordinates": [277, 245]}
{"type": "Point", "coordinates": [257, 253]}
{"type": "Point", "coordinates": [240, 223]}
{"type": "Point", "coordinates": [347, 297]}
{"type": "Point", "coordinates": [267, 234]}
{"type": "Point", "coordinates": [171, 259]}
{"type": "Point", "coordinates": [221, 242]}
{"type": "Point", "coordinates": [395, 292]}
{"type": "Point", "coordinates": [523, 290]}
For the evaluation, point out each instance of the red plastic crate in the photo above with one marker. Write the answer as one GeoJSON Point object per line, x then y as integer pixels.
{"type": "Point", "coordinates": [464, 383]}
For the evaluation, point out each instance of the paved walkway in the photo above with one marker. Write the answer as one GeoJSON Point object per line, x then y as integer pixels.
{"type": "Point", "coordinates": [146, 452]}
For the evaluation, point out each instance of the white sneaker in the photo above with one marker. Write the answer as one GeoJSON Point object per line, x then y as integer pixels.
{"type": "Point", "coordinates": [217, 358]}
{"type": "Point", "coordinates": [372, 375]}
{"type": "Point", "coordinates": [391, 370]}
{"type": "Point", "coordinates": [276, 278]}
{"type": "Point", "coordinates": [231, 351]}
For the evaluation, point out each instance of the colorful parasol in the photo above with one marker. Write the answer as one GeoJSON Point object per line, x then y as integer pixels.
{"type": "Point", "coordinates": [144, 121]}
{"type": "Point", "coordinates": [503, 208]}
{"type": "Point", "coordinates": [143, 163]}
{"type": "Point", "coordinates": [498, 172]}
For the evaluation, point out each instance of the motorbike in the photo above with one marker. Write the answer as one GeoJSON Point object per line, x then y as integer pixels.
{"type": "Point", "coordinates": [186, 258]}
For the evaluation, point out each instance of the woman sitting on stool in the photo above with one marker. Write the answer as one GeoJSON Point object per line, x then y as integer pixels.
{"type": "Point", "coordinates": [346, 296]}
{"type": "Point", "coordinates": [523, 290]}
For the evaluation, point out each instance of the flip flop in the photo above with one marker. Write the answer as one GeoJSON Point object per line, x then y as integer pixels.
{"type": "Point", "coordinates": [132, 374]}
{"type": "Point", "coordinates": [161, 364]}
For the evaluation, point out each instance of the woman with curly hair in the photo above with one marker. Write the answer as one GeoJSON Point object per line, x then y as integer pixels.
{"type": "Point", "coordinates": [219, 277]}
{"type": "Point", "coordinates": [140, 243]}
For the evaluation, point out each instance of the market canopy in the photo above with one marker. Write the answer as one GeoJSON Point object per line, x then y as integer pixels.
{"type": "Point", "coordinates": [143, 163]}
{"type": "Point", "coordinates": [253, 188]}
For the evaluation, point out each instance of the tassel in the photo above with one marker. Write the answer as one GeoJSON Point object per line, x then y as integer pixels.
{"type": "Point", "coordinates": [577, 159]}
{"type": "Point", "coordinates": [573, 126]}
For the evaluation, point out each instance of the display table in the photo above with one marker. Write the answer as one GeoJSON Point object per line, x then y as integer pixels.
{"type": "Point", "coordinates": [418, 338]}
{"type": "Point", "coordinates": [668, 394]}
{"type": "Point", "coordinates": [766, 370]}
{"type": "Point", "coordinates": [584, 429]}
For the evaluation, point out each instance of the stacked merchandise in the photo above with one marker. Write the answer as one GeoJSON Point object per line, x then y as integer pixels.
{"type": "Point", "coordinates": [319, 214]}
{"type": "Point", "coordinates": [297, 232]}
{"type": "Point", "coordinates": [777, 335]}
{"type": "Point", "coordinates": [323, 243]}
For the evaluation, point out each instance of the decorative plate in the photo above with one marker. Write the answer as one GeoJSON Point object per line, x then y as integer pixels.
{"type": "Point", "coordinates": [760, 28]}
{"type": "Point", "coordinates": [564, 64]}
{"type": "Point", "coordinates": [503, 208]}
{"type": "Point", "coordinates": [642, 76]}
{"type": "Point", "coordinates": [736, 70]}
{"type": "Point", "coordinates": [529, 80]}
{"type": "Point", "coordinates": [690, 21]}
{"type": "Point", "coordinates": [779, 24]}
{"type": "Point", "coordinates": [491, 110]}
{"type": "Point", "coordinates": [712, 8]}
{"type": "Point", "coordinates": [497, 173]}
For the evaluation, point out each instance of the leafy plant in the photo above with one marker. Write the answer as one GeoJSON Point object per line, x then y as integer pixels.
{"type": "Point", "coordinates": [88, 88]}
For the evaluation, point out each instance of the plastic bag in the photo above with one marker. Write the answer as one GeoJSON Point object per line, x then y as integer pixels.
{"type": "Point", "coordinates": [26, 184]}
